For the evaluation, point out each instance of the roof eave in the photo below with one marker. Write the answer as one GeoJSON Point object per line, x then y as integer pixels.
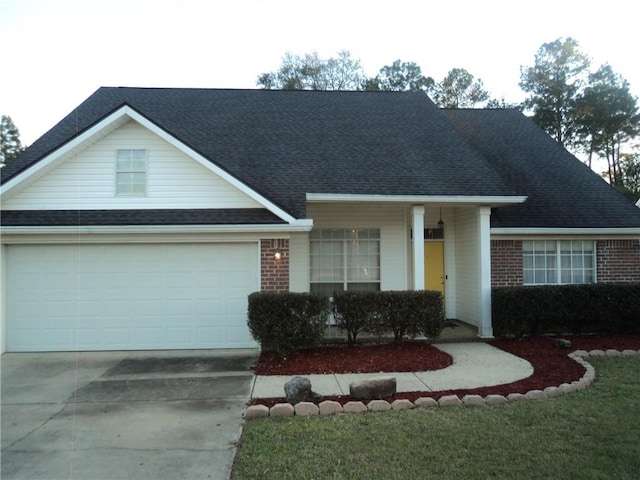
{"type": "Point", "coordinates": [299, 226]}
{"type": "Point", "coordinates": [443, 200]}
{"type": "Point", "coordinates": [561, 231]}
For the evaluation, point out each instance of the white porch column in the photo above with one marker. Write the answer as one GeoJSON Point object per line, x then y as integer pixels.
{"type": "Point", "coordinates": [485, 327]}
{"type": "Point", "coordinates": [418, 247]}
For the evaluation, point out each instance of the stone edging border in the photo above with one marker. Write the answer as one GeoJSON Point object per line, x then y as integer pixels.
{"type": "Point", "coordinates": [330, 407]}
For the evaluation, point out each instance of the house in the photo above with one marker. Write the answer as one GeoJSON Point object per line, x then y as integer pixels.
{"type": "Point", "coordinates": [146, 216]}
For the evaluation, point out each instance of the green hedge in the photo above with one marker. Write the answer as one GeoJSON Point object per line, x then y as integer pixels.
{"type": "Point", "coordinates": [401, 313]}
{"type": "Point", "coordinates": [551, 309]}
{"type": "Point", "coordinates": [285, 321]}
{"type": "Point", "coordinates": [354, 312]}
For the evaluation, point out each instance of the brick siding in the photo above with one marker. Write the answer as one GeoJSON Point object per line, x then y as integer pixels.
{"type": "Point", "coordinates": [274, 274]}
{"type": "Point", "coordinates": [506, 263]}
{"type": "Point", "coordinates": [618, 261]}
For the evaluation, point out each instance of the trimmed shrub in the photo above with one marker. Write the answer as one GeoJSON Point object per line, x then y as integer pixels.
{"type": "Point", "coordinates": [354, 312]}
{"type": "Point", "coordinates": [555, 309]}
{"type": "Point", "coordinates": [401, 313]}
{"type": "Point", "coordinates": [285, 321]}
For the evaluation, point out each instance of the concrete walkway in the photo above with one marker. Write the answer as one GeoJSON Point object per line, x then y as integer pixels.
{"type": "Point", "coordinates": [474, 365]}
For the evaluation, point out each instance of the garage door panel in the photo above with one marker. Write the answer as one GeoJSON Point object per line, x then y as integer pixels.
{"type": "Point", "coordinates": [95, 297]}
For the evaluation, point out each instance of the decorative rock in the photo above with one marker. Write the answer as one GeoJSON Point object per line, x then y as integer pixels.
{"type": "Point", "coordinates": [298, 389]}
{"type": "Point", "coordinates": [354, 407]}
{"type": "Point", "coordinates": [329, 407]}
{"type": "Point", "coordinates": [473, 401]}
{"type": "Point", "coordinates": [629, 353]}
{"type": "Point", "coordinates": [536, 395]}
{"type": "Point", "coordinates": [516, 397]}
{"type": "Point", "coordinates": [596, 353]}
{"type": "Point", "coordinates": [612, 353]}
{"type": "Point", "coordinates": [378, 406]}
{"type": "Point", "coordinates": [373, 388]}
{"type": "Point", "coordinates": [583, 384]}
{"type": "Point", "coordinates": [306, 409]}
{"type": "Point", "coordinates": [255, 411]}
{"type": "Point", "coordinates": [401, 404]}
{"type": "Point", "coordinates": [552, 392]}
{"type": "Point", "coordinates": [568, 388]}
{"type": "Point", "coordinates": [492, 400]}
{"type": "Point", "coordinates": [590, 374]}
{"type": "Point", "coordinates": [449, 401]}
{"type": "Point", "coordinates": [282, 410]}
{"type": "Point", "coordinates": [425, 402]}
{"type": "Point", "coordinates": [561, 343]}
{"type": "Point", "coordinates": [580, 353]}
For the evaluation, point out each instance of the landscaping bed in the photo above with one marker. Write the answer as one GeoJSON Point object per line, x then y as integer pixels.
{"type": "Point", "coordinates": [411, 356]}
{"type": "Point", "coordinates": [551, 365]}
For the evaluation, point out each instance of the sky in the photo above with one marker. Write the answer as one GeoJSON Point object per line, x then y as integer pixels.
{"type": "Point", "coordinates": [58, 52]}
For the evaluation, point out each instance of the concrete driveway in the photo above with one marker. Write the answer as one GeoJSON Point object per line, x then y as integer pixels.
{"type": "Point", "coordinates": [123, 415]}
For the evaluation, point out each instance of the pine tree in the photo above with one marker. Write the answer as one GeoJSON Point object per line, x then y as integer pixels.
{"type": "Point", "coordinates": [10, 146]}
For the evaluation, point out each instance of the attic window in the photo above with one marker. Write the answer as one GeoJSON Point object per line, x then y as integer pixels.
{"type": "Point", "coordinates": [131, 172]}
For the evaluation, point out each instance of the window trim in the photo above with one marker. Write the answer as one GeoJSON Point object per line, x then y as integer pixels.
{"type": "Point", "coordinates": [144, 171]}
{"type": "Point", "coordinates": [557, 253]}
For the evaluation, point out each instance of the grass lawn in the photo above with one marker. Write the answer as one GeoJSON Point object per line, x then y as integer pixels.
{"type": "Point", "coordinates": [594, 434]}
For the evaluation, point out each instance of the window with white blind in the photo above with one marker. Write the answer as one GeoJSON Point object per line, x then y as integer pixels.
{"type": "Point", "coordinates": [131, 172]}
{"type": "Point", "coordinates": [547, 262]}
{"type": "Point", "coordinates": [345, 259]}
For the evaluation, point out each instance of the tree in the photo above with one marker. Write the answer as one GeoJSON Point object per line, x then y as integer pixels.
{"type": "Point", "coordinates": [630, 174]}
{"type": "Point", "coordinates": [400, 77]}
{"type": "Point", "coordinates": [314, 73]}
{"type": "Point", "coordinates": [10, 146]}
{"type": "Point", "coordinates": [501, 103]}
{"type": "Point", "coordinates": [606, 116]}
{"type": "Point", "coordinates": [460, 89]}
{"type": "Point", "coordinates": [554, 82]}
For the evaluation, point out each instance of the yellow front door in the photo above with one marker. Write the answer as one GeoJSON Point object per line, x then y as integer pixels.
{"type": "Point", "coordinates": [434, 266]}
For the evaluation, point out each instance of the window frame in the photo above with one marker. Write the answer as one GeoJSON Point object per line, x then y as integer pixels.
{"type": "Point", "coordinates": [555, 252]}
{"type": "Point", "coordinates": [144, 170]}
{"type": "Point", "coordinates": [349, 272]}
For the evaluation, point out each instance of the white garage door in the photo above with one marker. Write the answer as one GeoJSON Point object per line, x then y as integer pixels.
{"type": "Point", "coordinates": [128, 297]}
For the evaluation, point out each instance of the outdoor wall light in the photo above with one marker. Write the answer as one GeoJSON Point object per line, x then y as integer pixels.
{"type": "Point", "coordinates": [277, 256]}
{"type": "Point", "coordinates": [440, 222]}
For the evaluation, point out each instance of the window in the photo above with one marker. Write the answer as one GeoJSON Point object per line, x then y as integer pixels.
{"type": "Point", "coordinates": [131, 172]}
{"type": "Point", "coordinates": [551, 262]}
{"type": "Point", "coordinates": [345, 259]}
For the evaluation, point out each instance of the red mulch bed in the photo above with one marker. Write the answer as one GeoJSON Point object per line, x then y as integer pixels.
{"type": "Point", "coordinates": [552, 366]}
{"type": "Point", "coordinates": [387, 357]}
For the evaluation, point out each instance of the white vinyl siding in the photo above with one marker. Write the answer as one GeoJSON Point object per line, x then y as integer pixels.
{"type": "Point", "coordinates": [550, 262]}
{"type": "Point", "coordinates": [466, 253]}
{"type": "Point", "coordinates": [86, 179]}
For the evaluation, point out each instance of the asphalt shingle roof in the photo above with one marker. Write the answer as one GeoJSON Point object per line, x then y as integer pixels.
{"type": "Point", "coordinates": [562, 191]}
{"type": "Point", "coordinates": [241, 216]}
{"type": "Point", "coordinates": [285, 144]}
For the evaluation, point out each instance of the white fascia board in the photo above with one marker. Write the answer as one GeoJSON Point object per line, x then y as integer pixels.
{"type": "Point", "coordinates": [130, 113]}
{"type": "Point", "coordinates": [453, 200]}
{"type": "Point", "coordinates": [523, 231]}
{"type": "Point", "coordinates": [210, 166]}
{"type": "Point", "coordinates": [298, 227]}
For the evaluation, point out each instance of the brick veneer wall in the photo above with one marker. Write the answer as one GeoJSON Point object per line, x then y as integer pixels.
{"type": "Point", "coordinates": [618, 261]}
{"type": "Point", "coordinates": [274, 274]}
{"type": "Point", "coordinates": [506, 263]}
